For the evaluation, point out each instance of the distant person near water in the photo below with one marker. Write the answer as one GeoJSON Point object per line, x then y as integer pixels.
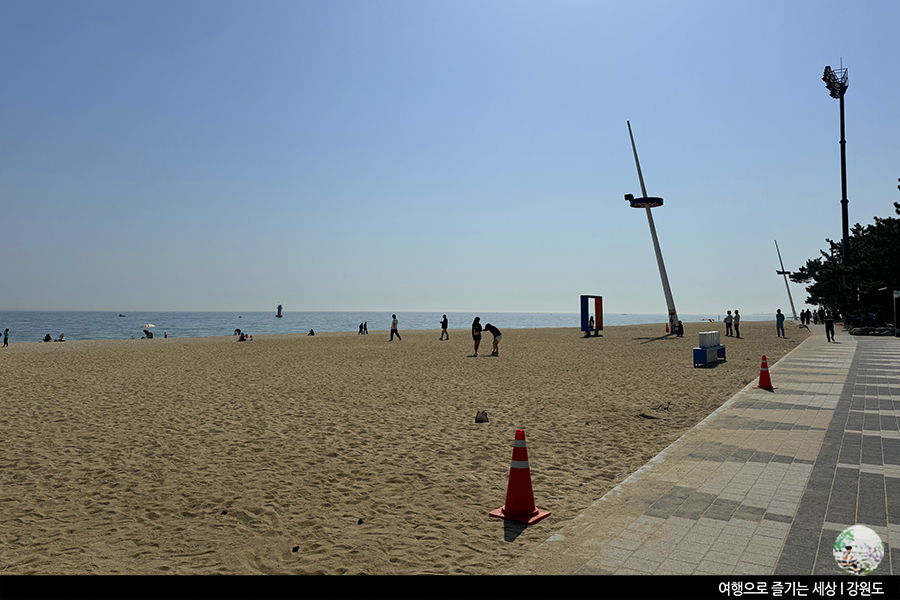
{"type": "Point", "coordinates": [737, 324]}
{"type": "Point", "coordinates": [444, 324]}
{"type": "Point", "coordinates": [729, 320]}
{"type": "Point", "coordinates": [394, 330]}
{"type": "Point", "coordinates": [6, 337]}
{"type": "Point", "coordinates": [779, 324]}
{"type": "Point", "coordinates": [476, 333]}
{"type": "Point", "coordinates": [829, 326]}
{"type": "Point", "coordinates": [360, 329]}
{"type": "Point", "coordinates": [496, 333]}
{"type": "Point", "coordinates": [366, 328]}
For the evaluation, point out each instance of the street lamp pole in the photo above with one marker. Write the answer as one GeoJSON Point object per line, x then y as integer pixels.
{"type": "Point", "coordinates": [648, 203]}
{"type": "Point", "coordinates": [837, 83]}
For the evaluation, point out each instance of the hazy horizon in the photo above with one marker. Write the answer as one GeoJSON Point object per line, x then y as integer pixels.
{"type": "Point", "coordinates": [474, 156]}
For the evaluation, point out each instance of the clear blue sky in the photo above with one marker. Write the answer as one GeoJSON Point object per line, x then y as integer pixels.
{"type": "Point", "coordinates": [446, 156]}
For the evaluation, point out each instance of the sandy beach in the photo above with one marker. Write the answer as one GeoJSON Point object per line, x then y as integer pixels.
{"type": "Point", "coordinates": [333, 454]}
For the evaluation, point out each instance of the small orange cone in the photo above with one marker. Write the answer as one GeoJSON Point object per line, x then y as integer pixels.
{"type": "Point", "coordinates": [765, 383]}
{"type": "Point", "coordinates": [667, 328]}
{"type": "Point", "coordinates": [519, 495]}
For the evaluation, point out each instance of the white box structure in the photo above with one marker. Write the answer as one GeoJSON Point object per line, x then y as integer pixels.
{"type": "Point", "coordinates": [709, 339]}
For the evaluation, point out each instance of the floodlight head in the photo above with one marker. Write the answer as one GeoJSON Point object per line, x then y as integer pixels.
{"type": "Point", "coordinates": [836, 83]}
{"type": "Point", "coordinates": [629, 197]}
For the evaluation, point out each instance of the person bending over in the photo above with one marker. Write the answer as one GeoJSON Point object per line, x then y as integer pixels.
{"type": "Point", "coordinates": [496, 333]}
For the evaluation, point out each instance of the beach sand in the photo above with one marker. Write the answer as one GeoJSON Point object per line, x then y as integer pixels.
{"type": "Point", "coordinates": [333, 454]}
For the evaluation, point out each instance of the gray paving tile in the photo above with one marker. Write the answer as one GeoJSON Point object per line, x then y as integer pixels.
{"type": "Point", "coordinates": [776, 508]}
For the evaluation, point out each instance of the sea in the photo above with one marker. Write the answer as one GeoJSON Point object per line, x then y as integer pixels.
{"type": "Point", "coordinates": [32, 326]}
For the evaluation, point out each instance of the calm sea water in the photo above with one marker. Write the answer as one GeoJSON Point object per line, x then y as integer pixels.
{"type": "Point", "coordinates": [32, 326]}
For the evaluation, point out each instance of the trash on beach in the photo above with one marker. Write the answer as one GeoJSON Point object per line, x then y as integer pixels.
{"type": "Point", "coordinates": [481, 417]}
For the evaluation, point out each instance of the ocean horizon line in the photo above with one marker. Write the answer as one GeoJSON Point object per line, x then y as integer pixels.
{"type": "Point", "coordinates": [33, 326]}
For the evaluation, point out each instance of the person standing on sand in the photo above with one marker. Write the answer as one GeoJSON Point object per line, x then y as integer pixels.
{"type": "Point", "coordinates": [496, 333]}
{"type": "Point", "coordinates": [394, 330]}
{"type": "Point", "coordinates": [366, 328]}
{"type": "Point", "coordinates": [6, 337]}
{"type": "Point", "coordinates": [829, 326]}
{"type": "Point", "coordinates": [444, 324]}
{"type": "Point", "coordinates": [728, 321]}
{"type": "Point", "coordinates": [779, 324]}
{"type": "Point", "coordinates": [476, 333]}
{"type": "Point", "coordinates": [737, 324]}
{"type": "Point", "coordinates": [360, 329]}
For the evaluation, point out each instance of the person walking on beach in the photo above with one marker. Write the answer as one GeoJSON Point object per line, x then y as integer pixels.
{"type": "Point", "coordinates": [476, 333]}
{"type": "Point", "coordinates": [737, 324]}
{"type": "Point", "coordinates": [728, 321]}
{"type": "Point", "coordinates": [6, 337]}
{"type": "Point", "coordinates": [394, 330]}
{"type": "Point", "coordinates": [829, 326]}
{"type": "Point", "coordinates": [496, 333]}
{"type": "Point", "coordinates": [365, 328]}
{"type": "Point", "coordinates": [444, 324]}
{"type": "Point", "coordinates": [779, 324]}
{"type": "Point", "coordinates": [360, 329]}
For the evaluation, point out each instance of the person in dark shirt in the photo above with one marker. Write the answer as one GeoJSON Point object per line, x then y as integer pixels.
{"type": "Point", "coordinates": [444, 324]}
{"type": "Point", "coordinates": [829, 326]}
{"type": "Point", "coordinates": [476, 333]}
{"type": "Point", "coordinates": [496, 333]}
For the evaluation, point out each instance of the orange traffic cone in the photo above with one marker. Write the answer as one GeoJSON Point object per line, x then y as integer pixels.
{"type": "Point", "coordinates": [667, 328]}
{"type": "Point", "coordinates": [519, 495]}
{"type": "Point", "coordinates": [765, 383]}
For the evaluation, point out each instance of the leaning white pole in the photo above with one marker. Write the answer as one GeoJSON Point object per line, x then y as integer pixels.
{"type": "Point", "coordinates": [793, 311]}
{"type": "Point", "coordinates": [670, 303]}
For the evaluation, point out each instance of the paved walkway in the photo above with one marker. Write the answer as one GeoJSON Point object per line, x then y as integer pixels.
{"type": "Point", "coordinates": [762, 486]}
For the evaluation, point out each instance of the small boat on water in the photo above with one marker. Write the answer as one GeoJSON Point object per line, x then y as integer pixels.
{"type": "Point", "coordinates": [121, 315]}
{"type": "Point", "coordinates": [278, 314]}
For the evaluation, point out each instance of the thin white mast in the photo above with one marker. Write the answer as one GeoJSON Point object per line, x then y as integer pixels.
{"type": "Point", "coordinates": [670, 303]}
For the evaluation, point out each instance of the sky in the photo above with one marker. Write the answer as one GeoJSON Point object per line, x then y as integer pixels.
{"type": "Point", "coordinates": [387, 155]}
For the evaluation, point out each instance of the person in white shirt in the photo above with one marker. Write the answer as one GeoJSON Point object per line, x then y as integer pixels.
{"type": "Point", "coordinates": [394, 330]}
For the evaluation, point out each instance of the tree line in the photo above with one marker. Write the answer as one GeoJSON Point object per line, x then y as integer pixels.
{"type": "Point", "coordinates": [864, 287]}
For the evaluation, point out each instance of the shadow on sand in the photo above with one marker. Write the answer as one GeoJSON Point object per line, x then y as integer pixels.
{"type": "Point", "coordinates": [668, 336]}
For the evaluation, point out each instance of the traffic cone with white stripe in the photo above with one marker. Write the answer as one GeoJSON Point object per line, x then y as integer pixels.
{"type": "Point", "coordinates": [765, 383]}
{"type": "Point", "coordinates": [519, 494]}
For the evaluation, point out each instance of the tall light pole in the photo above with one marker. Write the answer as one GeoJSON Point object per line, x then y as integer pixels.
{"type": "Point", "coordinates": [837, 83]}
{"type": "Point", "coordinates": [649, 203]}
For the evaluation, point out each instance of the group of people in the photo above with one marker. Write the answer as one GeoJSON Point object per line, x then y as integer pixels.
{"type": "Point", "coordinates": [363, 328]}
{"type": "Point", "coordinates": [477, 329]}
{"type": "Point", "coordinates": [476, 336]}
{"type": "Point", "coordinates": [47, 338]}
{"type": "Point", "coordinates": [733, 324]}
{"type": "Point", "coordinates": [825, 316]}
{"type": "Point", "coordinates": [807, 315]}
